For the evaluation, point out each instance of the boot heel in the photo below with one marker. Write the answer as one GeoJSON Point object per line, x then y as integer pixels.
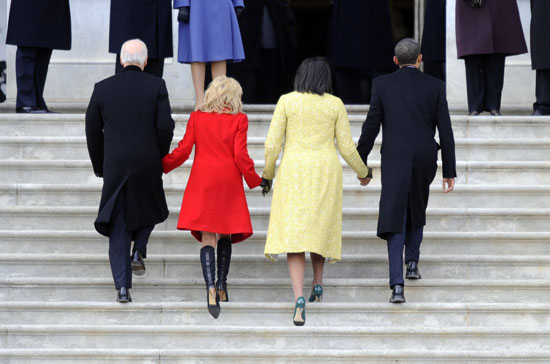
{"type": "Point", "coordinates": [222, 292]}
{"type": "Point", "coordinates": [213, 302]}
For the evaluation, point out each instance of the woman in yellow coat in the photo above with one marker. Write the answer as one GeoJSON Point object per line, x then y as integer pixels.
{"type": "Point", "coordinates": [306, 211]}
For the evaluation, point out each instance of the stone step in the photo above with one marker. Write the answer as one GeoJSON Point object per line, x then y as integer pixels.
{"type": "Point", "coordinates": [351, 290]}
{"type": "Point", "coordinates": [463, 196]}
{"type": "Point", "coordinates": [269, 356]}
{"type": "Point", "coordinates": [253, 266]}
{"type": "Point", "coordinates": [167, 243]}
{"type": "Point", "coordinates": [494, 315]}
{"type": "Point", "coordinates": [478, 149]}
{"type": "Point", "coordinates": [469, 172]}
{"type": "Point", "coordinates": [287, 338]}
{"type": "Point", "coordinates": [354, 219]}
{"type": "Point", "coordinates": [49, 125]}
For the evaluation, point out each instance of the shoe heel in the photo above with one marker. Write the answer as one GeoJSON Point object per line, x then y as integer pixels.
{"type": "Point", "coordinates": [299, 317]}
{"type": "Point", "coordinates": [213, 302]}
{"type": "Point", "coordinates": [223, 296]}
{"type": "Point", "coordinates": [316, 294]}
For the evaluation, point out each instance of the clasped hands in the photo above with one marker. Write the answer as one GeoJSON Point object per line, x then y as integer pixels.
{"type": "Point", "coordinates": [184, 12]}
{"type": "Point", "coordinates": [477, 3]}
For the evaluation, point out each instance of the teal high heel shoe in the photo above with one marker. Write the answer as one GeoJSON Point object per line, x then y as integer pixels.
{"type": "Point", "coordinates": [300, 312]}
{"type": "Point", "coordinates": [316, 293]}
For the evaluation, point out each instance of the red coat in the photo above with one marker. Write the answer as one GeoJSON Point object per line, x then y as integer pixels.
{"type": "Point", "coordinates": [214, 199]}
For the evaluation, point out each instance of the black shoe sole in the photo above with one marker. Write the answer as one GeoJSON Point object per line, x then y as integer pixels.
{"type": "Point", "coordinates": [138, 269]}
{"type": "Point", "coordinates": [413, 276]}
{"type": "Point", "coordinates": [398, 300]}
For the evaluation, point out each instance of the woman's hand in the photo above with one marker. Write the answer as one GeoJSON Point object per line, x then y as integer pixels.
{"type": "Point", "coordinates": [266, 186]}
{"type": "Point", "coordinates": [364, 181]}
{"type": "Point", "coordinates": [183, 14]}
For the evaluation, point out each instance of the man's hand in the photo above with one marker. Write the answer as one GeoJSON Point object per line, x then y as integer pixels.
{"type": "Point", "coordinates": [364, 181]}
{"type": "Point", "coordinates": [477, 3]}
{"type": "Point", "coordinates": [183, 14]}
{"type": "Point", "coordinates": [239, 10]}
{"type": "Point", "coordinates": [448, 184]}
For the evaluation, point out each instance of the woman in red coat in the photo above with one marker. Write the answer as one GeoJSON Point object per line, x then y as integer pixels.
{"type": "Point", "coordinates": [214, 201]}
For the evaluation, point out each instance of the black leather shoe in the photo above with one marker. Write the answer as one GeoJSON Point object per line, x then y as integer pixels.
{"type": "Point", "coordinates": [30, 110]}
{"type": "Point", "coordinates": [538, 113]}
{"type": "Point", "coordinates": [412, 271]}
{"type": "Point", "coordinates": [474, 113]}
{"type": "Point", "coordinates": [398, 294]}
{"type": "Point", "coordinates": [495, 112]}
{"type": "Point", "coordinates": [138, 265]}
{"type": "Point", "coordinates": [124, 295]}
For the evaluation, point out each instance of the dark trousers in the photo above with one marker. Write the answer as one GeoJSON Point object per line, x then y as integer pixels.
{"type": "Point", "coordinates": [543, 92]}
{"type": "Point", "coordinates": [354, 86]}
{"type": "Point", "coordinates": [411, 240]}
{"type": "Point", "coordinates": [484, 81]}
{"type": "Point", "coordinates": [154, 66]}
{"type": "Point", "coordinates": [435, 69]}
{"type": "Point", "coordinates": [120, 241]}
{"type": "Point", "coordinates": [31, 70]}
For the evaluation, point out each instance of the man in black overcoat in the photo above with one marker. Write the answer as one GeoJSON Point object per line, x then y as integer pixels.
{"type": "Point", "coordinates": [410, 106]}
{"type": "Point", "coordinates": [540, 54]}
{"type": "Point", "coordinates": [129, 128]}
{"type": "Point", "coordinates": [150, 21]}
{"type": "Point", "coordinates": [36, 28]}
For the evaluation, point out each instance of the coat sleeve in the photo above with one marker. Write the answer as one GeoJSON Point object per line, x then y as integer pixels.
{"type": "Point", "coordinates": [237, 3]}
{"type": "Point", "coordinates": [94, 134]}
{"type": "Point", "coordinates": [446, 137]}
{"type": "Point", "coordinates": [183, 150]}
{"type": "Point", "coordinates": [181, 3]}
{"type": "Point", "coordinates": [274, 139]}
{"type": "Point", "coordinates": [371, 126]}
{"type": "Point", "coordinates": [345, 143]}
{"type": "Point", "coordinates": [165, 124]}
{"type": "Point", "coordinates": [240, 153]}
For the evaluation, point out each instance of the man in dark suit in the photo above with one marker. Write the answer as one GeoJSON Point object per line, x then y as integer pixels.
{"type": "Point", "coordinates": [129, 129]}
{"type": "Point", "coordinates": [410, 106]}
{"type": "Point", "coordinates": [36, 28]}
{"type": "Point", "coordinates": [150, 21]}
{"type": "Point", "coordinates": [540, 54]}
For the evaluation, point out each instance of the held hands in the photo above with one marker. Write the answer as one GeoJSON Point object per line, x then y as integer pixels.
{"type": "Point", "coordinates": [183, 14]}
{"type": "Point", "coordinates": [266, 186]}
{"type": "Point", "coordinates": [477, 3]}
{"type": "Point", "coordinates": [366, 180]}
{"type": "Point", "coordinates": [448, 184]}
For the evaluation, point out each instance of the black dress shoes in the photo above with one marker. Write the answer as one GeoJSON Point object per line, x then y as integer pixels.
{"type": "Point", "coordinates": [398, 294]}
{"type": "Point", "coordinates": [474, 113]}
{"type": "Point", "coordinates": [30, 110]}
{"type": "Point", "coordinates": [138, 265]}
{"type": "Point", "coordinates": [494, 112]}
{"type": "Point", "coordinates": [124, 295]}
{"type": "Point", "coordinates": [412, 271]}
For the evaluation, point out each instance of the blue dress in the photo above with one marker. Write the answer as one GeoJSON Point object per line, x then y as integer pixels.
{"type": "Point", "coordinates": [212, 33]}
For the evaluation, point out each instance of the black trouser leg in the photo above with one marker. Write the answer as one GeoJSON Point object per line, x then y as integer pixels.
{"type": "Point", "coordinates": [475, 82]}
{"type": "Point", "coordinates": [154, 66]}
{"type": "Point", "coordinates": [348, 85]}
{"type": "Point", "coordinates": [268, 77]}
{"type": "Point", "coordinates": [412, 245]}
{"type": "Point", "coordinates": [396, 243]}
{"type": "Point", "coordinates": [43, 56]}
{"type": "Point", "coordinates": [543, 92]}
{"type": "Point", "coordinates": [120, 241]}
{"type": "Point", "coordinates": [494, 65]}
{"type": "Point", "coordinates": [26, 60]}
{"type": "Point", "coordinates": [141, 238]}
{"type": "Point", "coordinates": [435, 69]}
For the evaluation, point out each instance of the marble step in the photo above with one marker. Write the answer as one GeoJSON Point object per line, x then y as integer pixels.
{"type": "Point", "coordinates": [354, 219]}
{"type": "Point", "coordinates": [494, 315]}
{"type": "Point", "coordinates": [469, 172]}
{"type": "Point", "coordinates": [464, 196]}
{"type": "Point", "coordinates": [167, 243]}
{"type": "Point", "coordinates": [478, 149]}
{"type": "Point", "coordinates": [50, 125]}
{"type": "Point", "coordinates": [351, 290]}
{"type": "Point", "coordinates": [272, 337]}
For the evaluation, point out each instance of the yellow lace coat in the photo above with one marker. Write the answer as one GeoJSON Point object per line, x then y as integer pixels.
{"type": "Point", "coordinates": [306, 211]}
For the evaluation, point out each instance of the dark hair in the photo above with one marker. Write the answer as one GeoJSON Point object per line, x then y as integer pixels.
{"type": "Point", "coordinates": [313, 76]}
{"type": "Point", "coordinates": [407, 51]}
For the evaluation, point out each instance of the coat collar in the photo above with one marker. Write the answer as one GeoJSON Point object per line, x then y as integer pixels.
{"type": "Point", "coordinates": [131, 68]}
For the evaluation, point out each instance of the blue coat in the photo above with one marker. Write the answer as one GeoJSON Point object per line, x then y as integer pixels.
{"type": "Point", "coordinates": [212, 33]}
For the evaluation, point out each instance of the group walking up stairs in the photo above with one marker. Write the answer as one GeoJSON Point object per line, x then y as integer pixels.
{"type": "Point", "coordinates": [484, 296]}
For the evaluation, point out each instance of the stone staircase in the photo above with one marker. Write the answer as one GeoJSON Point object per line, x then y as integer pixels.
{"type": "Point", "coordinates": [485, 261]}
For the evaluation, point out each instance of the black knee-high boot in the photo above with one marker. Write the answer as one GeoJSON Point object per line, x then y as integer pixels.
{"type": "Point", "coordinates": [224, 259]}
{"type": "Point", "coordinates": [208, 261]}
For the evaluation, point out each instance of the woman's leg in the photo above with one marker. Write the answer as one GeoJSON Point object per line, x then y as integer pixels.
{"type": "Point", "coordinates": [208, 239]}
{"type": "Point", "coordinates": [318, 263]}
{"type": "Point", "coordinates": [208, 262]}
{"type": "Point", "coordinates": [198, 71]}
{"type": "Point", "coordinates": [219, 68]}
{"type": "Point", "coordinates": [296, 266]}
{"type": "Point", "coordinates": [224, 250]}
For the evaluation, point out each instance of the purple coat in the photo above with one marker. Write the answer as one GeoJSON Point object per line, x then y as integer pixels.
{"type": "Point", "coordinates": [212, 33]}
{"type": "Point", "coordinates": [493, 28]}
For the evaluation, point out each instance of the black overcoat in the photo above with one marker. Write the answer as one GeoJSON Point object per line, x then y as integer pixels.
{"type": "Point", "coordinates": [410, 106]}
{"type": "Point", "coordinates": [129, 128]}
{"type": "Point", "coordinates": [434, 33]}
{"type": "Point", "coordinates": [40, 23]}
{"type": "Point", "coordinates": [362, 35]}
{"type": "Point", "coordinates": [540, 31]}
{"type": "Point", "coordinates": [148, 20]}
{"type": "Point", "coordinates": [493, 28]}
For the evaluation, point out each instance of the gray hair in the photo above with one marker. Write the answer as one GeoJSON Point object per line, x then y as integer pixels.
{"type": "Point", "coordinates": [407, 51]}
{"type": "Point", "coordinates": [133, 51]}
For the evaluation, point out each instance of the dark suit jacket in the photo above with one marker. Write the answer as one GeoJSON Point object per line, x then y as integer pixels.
{"type": "Point", "coordinates": [129, 129]}
{"type": "Point", "coordinates": [540, 28]}
{"type": "Point", "coordinates": [40, 23]}
{"type": "Point", "coordinates": [409, 106]}
{"type": "Point", "coordinates": [150, 21]}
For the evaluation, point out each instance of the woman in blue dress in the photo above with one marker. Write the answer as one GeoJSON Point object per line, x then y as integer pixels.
{"type": "Point", "coordinates": [208, 33]}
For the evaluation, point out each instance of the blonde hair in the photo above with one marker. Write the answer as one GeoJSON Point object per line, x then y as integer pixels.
{"type": "Point", "coordinates": [223, 96]}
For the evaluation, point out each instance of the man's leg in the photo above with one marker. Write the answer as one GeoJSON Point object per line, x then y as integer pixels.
{"type": "Point", "coordinates": [494, 80]}
{"type": "Point", "coordinates": [118, 66]}
{"type": "Point", "coordinates": [543, 92]}
{"type": "Point", "coordinates": [141, 238]}
{"type": "Point", "coordinates": [475, 82]}
{"type": "Point", "coordinates": [155, 67]}
{"type": "Point", "coordinates": [25, 60]}
{"type": "Point", "coordinates": [412, 246]}
{"type": "Point", "coordinates": [396, 243]}
{"type": "Point", "coordinates": [120, 241]}
{"type": "Point", "coordinates": [43, 56]}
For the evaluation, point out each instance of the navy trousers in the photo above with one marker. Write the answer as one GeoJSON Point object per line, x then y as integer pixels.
{"type": "Point", "coordinates": [120, 241]}
{"type": "Point", "coordinates": [484, 81]}
{"type": "Point", "coordinates": [154, 66]}
{"type": "Point", "coordinates": [410, 240]}
{"type": "Point", "coordinates": [31, 70]}
{"type": "Point", "coordinates": [543, 92]}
